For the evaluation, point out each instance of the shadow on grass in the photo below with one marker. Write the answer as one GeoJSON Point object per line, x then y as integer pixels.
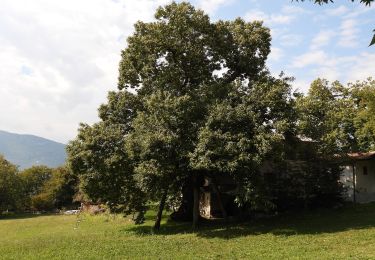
{"type": "Point", "coordinates": [311, 222]}
{"type": "Point", "coordinates": [24, 216]}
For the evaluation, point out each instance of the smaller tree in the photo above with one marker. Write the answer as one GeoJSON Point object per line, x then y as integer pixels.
{"type": "Point", "coordinates": [363, 96]}
{"type": "Point", "coordinates": [326, 116]}
{"type": "Point", "coordinates": [10, 186]}
{"type": "Point", "coordinates": [33, 179]}
{"type": "Point", "coordinates": [66, 186]}
{"type": "Point", "coordinates": [98, 156]}
{"type": "Point", "coordinates": [56, 192]}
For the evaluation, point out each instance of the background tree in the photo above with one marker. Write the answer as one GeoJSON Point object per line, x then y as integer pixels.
{"type": "Point", "coordinates": [98, 156]}
{"type": "Point", "coordinates": [339, 118]}
{"type": "Point", "coordinates": [56, 192]}
{"type": "Point", "coordinates": [326, 116]}
{"type": "Point", "coordinates": [10, 187]}
{"type": "Point", "coordinates": [363, 95]}
{"type": "Point", "coordinates": [33, 180]}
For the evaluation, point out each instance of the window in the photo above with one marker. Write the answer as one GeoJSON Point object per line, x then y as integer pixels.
{"type": "Point", "coordinates": [364, 170]}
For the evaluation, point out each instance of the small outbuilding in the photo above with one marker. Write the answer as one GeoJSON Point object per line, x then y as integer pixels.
{"type": "Point", "coordinates": [359, 177]}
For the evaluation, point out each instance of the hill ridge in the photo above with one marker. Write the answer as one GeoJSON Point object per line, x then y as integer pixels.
{"type": "Point", "coordinates": [26, 150]}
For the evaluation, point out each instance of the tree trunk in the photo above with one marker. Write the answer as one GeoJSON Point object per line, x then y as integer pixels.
{"type": "Point", "coordinates": [185, 211]}
{"type": "Point", "coordinates": [160, 210]}
{"type": "Point", "coordinates": [221, 205]}
{"type": "Point", "coordinates": [196, 203]}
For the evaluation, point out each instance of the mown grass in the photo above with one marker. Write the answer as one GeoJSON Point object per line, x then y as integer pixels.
{"type": "Point", "coordinates": [347, 233]}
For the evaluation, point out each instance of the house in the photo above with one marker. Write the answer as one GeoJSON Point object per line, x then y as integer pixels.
{"type": "Point", "coordinates": [359, 167]}
{"type": "Point", "coordinates": [359, 177]}
{"type": "Point", "coordinates": [358, 174]}
{"type": "Point", "coordinates": [220, 192]}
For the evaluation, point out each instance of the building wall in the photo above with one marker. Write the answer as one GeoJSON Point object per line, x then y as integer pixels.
{"type": "Point", "coordinates": [347, 180]}
{"type": "Point", "coordinates": [365, 183]}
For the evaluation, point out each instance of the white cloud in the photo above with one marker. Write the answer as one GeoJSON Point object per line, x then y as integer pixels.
{"type": "Point", "coordinates": [294, 10]}
{"type": "Point", "coordinates": [301, 85]}
{"type": "Point", "coordinates": [359, 10]}
{"type": "Point", "coordinates": [271, 19]}
{"type": "Point", "coordinates": [349, 33]}
{"type": "Point", "coordinates": [256, 15]}
{"type": "Point", "coordinates": [348, 68]}
{"type": "Point", "coordinates": [59, 60]}
{"type": "Point", "coordinates": [211, 6]}
{"type": "Point", "coordinates": [290, 40]}
{"type": "Point", "coordinates": [277, 20]}
{"type": "Point", "coordinates": [324, 37]}
{"type": "Point", "coordinates": [276, 54]}
{"type": "Point", "coordinates": [330, 73]}
{"type": "Point", "coordinates": [362, 67]}
{"type": "Point", "coordinates": [309, 58]}
{"type": "Point", "coordinates": [281, 19]}
{"type": "Point", "coordinates": [338, 11]}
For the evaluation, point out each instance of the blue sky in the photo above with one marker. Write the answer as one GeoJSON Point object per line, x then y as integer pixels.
{"type": "Point", "coordinates": [311, 41]}
{"type": "Point", "coordinates": [60, 58]}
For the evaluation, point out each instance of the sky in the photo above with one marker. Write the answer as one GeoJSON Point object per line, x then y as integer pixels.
{"type": "Point", "coordinates": [59, 59]}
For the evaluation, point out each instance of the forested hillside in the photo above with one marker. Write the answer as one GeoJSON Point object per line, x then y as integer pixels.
{"type": "Point", "coordinates": [28, 150]}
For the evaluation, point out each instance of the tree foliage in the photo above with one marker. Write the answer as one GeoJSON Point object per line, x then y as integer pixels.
{"type": "Point", "coordinates": [34, 178]}
{"type": "Point", "coordinates": [196, 101]}
{"type": "Point", "coordinates": [340, 118]}
{"type": "Point", "coordinates": [363, 96]}
{"type": "Point", "coordinates": [98, 155]}
{"type": "Point", "coordinates": [326, 116]}
{"type": "Point", "coordinates": [56, 192]}
{"type": "Point", "coordinates": [10, 186]}
{"type": "Point", "coordinates": [243, 131]}
{"type": "Point", "coordinates": [45, 188]}
{"type": "Point", "coordinates": [36, 188]}
{"type": "Point", "coordinates": [181, 66]}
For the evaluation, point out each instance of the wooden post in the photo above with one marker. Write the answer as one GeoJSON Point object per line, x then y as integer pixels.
{"type": "Point", "coordinates": [196, 202]}
{"type": "Point", "coordinates": [354, 185]}
{"type": "Point", "coordinates": [221, 205]}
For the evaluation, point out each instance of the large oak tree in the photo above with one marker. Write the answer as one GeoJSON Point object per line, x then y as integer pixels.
{"type": "Point", "coordinates": [192, 79]}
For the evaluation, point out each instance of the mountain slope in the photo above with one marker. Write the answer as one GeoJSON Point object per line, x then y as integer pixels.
{"type": "Point", "coordinates": [28, 150]}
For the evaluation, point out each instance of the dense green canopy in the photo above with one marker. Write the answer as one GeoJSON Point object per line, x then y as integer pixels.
{"type": "Point", "coordinates": [188, 73]}
{"type": "Point", "coordinates": [196, 101]}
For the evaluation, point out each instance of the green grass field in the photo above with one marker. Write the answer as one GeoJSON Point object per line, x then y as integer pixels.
{"type": "Point", "coordinates": [347, 233]}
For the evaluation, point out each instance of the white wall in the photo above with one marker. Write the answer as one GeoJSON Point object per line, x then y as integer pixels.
{"type": "Point", "coordinates": [365, 184]}
{"type": "Point", "coordinates": [347, 180]}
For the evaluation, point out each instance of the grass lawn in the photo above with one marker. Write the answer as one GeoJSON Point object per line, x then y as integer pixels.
{"type": "Point", "coordinates": [325, 234]}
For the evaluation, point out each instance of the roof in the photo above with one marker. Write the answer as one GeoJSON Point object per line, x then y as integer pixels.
{"type": "Point", "coordinates": [362, 156]}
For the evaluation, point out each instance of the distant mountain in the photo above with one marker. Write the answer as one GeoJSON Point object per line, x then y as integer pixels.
{"type": "Point", "coordinates": [28, 150]}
